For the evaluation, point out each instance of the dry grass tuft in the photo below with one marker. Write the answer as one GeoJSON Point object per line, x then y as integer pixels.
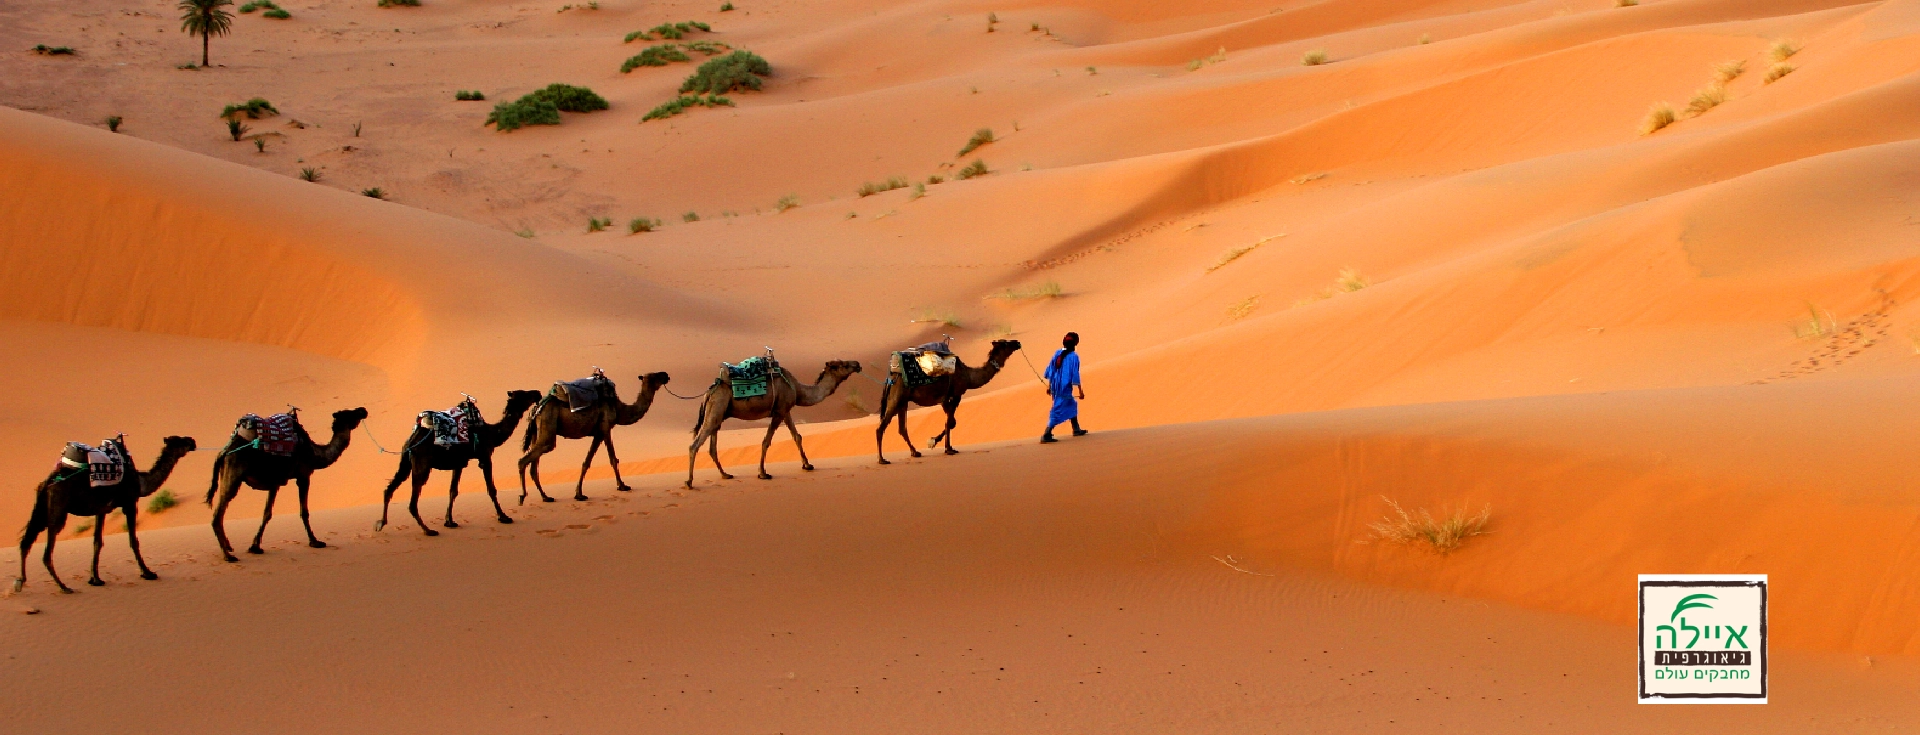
{"type": "Point", "coordinates": [1625, 3]}
{"type": "Point", "coordinates": [787, 202]}
{"type": "Point", "coordinates": [1782, 50]}
{"type": "Point", "coordinates": [1709, 97]}
{"type": "Point", "coordinates": [1047, 290]}
{"type": "Point", "coordinates": [1660, 116]}
{"type": "Point", "coordinates": [1815, 327]}
{"type": "Point", "coordinates": [942, 317]}
{"type": "Point", "coordinates": [1315, 57]}
{"type": "Point", "coordinates": [1443, 535]}
{"type": "Point", "coordinates": [1348, 281]}
{"type": "Point", "coordinates": [1306, 178]}
{"type": "Point", "coordinates": [1775, 72]}
{"type": "Point", "coordinates": [1240, 309]}
{"type": "Point", "coordinates": [1727, 71]}
{"type": "Point", "coordinates": [1234, 254]}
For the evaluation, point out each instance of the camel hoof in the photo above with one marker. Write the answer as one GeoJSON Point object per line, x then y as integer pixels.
{"type": "Point", "coordinates": [579, 496]}
{"type": "Point", "coordinates": [916, 454]}
{"type": "Point", "coordinates": [429, 531]}
{"type": "Point", "coordinates": [624, 489]}
{"type": "Point", "coordinates": [149, 576]}
{"type": "Point", "coordinates": [316, 544]}
{"type": "Point", "coordinates": [256, 550]}
{"type": "Point", "coordinates": [953, 451]}
{"type": "Point", "coordinates": [379, 526]}
{"type": "Point", "coordinates": [807, 467]}
{"type": "Point", "coordinates": [883, 460]}
{"type": "Point", "coordinates": [723, 476]}
{"type": "Point", "coordinates": [233, 559]}
{"type": "Point", "coordinates": [95, 582]}
{"type": "Point", "coordinates": [504, 519]}
{"type": "Point", "coordinates": [451, 524]}
{"type": "Point", "coordinates": [765, 476]}
{"type": "Point", "coordinates": [545, 499]}
{"type": "Point", "coordinates": [65, 590]}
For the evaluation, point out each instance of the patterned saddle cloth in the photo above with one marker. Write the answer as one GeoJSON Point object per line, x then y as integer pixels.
{"type": "Point", "coordinates": [921, 366]}
{"type": "Point", "coordinates": [750, 377]}
{"type": "Point", "coordinates": [277, 434]}
{"type": "Point", "coordinates": [453, 426]}
{"type": "Point", "coordinates": [105, 464]}
{"type": "Point", "coordinates": [583, 393]}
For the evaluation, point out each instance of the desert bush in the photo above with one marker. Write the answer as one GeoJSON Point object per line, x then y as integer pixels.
{"type": "Point", "coordinates": [1240, 309]}
{"type": "Point", "coordinates": [399, 3]}
{"type": "Point", "coordinates": [681, 104]}
{"type": "Point", "coordinates": [871, 188]}
{"type": "Point", "coordinates": [469, 95]}
{"type": "Point", "coordinates": [669, 31]}
{"type": "Point", "coordinates": [977, 168]}
{"type": "Point", "coordinates": [919, 190]}
{"type": "Point", "coordinates": [690, 217]}
{"type": "Point", "coordinates": [276, 14]}
{"type": "Point", "coordinates": [935, 179]}
{"type": "Point", "coordinates": [1727, 71]}
{"type": "Point", "coordinates": [1424, 39]}
{"type": "Point", "coordinates": [1315, 57]}
{"type": "Point", "coordinates": [309, 174]}
{"type": "Point", "coordinates": [521, 113]}
{"type": "Point", "coordinates": [1660, 116]}
{"type": "Point", "coordinates": [161, 501]}
{"type": "Point", "coordinates": [1709, 97]}
{"type": "Point", "coordinates": [374, 192]}
{"type": "Point", "coordinates": [236, 129]}
{"type": "Point", "coordinates": [1625, 3]}
{"type": "Point", "coordinates": [1777, 71]}
{"type": "Point", "coordinates": [980, 137]}
{"type": "Point", "coordinates": [723, 74]}
{"type": "Point", "coordinates": [258, 5]}
{"type": "Point", "coordinates": [253, 109]}
{"type": "Point", "coordinates": [1782, 50]}
{"type": "Point", "coordinates": [45, 50]}
{"type": "Point", "coordinates": [932, 315]}
{"type": "Point", "coordinates": [638, 225]}
{"type": "Point", "coordinates": [113, 124]}
{"type": "Point", "coordinates": [787, 202]}
{"type": "Point", "coordinates": [260, 144]}
{"type": "Point", "coordinates": [595, 224]}
{"type": "Point", "coordinates": [569, 98]}
{"type": "Point", "coordinates": [709, 48]}
{"type": "Point", "coordinates": [660, 55]}
{"type": "Point", "coordinates": [1041, 291]}
{"type": "Point", "coordinates": [726, 7]}
{"type": "Point", "coordinates": [526, 232]}
{"type": "Point", "coordinates": [1442, 535]}
{"type": "Point", "coordinates": [1091, 71]}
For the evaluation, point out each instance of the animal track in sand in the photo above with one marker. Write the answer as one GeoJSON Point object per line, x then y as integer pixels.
{"type": "Point", "coordinates": [1847, 341]}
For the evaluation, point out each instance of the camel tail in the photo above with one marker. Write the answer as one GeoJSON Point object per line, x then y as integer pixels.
{"type": "Point", "coordinates": [701, 420]}
{"type": "Point", "coordinates": [213, 484]}
{"type": "Point", "coordinates": [533, 425]}
{"type": "Point", "coordinates": [32, 528]}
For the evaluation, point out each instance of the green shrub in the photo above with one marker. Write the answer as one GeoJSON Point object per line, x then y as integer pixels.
{"type": "Point", "coordinates": [786, 202]}
{"type": "Point", "coordinates": [466, 95]}
{"type": "Point", "coordinates": [161, 501]}
{"type": "Point", "coordinates": [399, 3]}
{"type": "Point", "coordinates": [660, 55]}
{"type": "Point", "coordinates": [726, 7]}
{"type": "Point", "coordinates": [309, 174]}
{"type": "Point", "coordinates": [710, 48]}
{"type": "Point", "coordinates": [690, 217]}
{"type": "Point", "coordinates": [980, 137]}
{"type": "Point", "coordinates": [258, 5]}
{"type": "Point", "coordinates": [260, 144]}
{"type": "Point", "coordinates": [720, 75]}
{"type": "Point", "coordinates": [45, 50]}
{"type": "Point", "coordinates": [681, 104]}
{"type": "Point", "coordinates": [113, 124]}
{"type": "Point", "coordinates": [522, 112]}
{"type": "Point", "coordinates": [595, 224]}
{"type": "Point", "coordinates": [568, 98]}
{"type": "Point", "coordinates": [255, 109]}
{"type": "Point", "coordinates": [642, 224]}
{"type": "Point", "coordinates": [276, 14]}
{"type": "Point", "coordinates": [236, 129]}
{"type": "Point", "coordinates": [374, 191]}
{"type": "Point", "coordinates": [870, 188]}
{"type": "Point", "coordinates": [977, 168]}
{"type": "Point", "coordinates": [935, 179]}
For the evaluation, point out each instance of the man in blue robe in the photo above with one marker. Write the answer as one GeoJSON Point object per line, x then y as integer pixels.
{"type": "Point", "coordinates": [1063, 380]}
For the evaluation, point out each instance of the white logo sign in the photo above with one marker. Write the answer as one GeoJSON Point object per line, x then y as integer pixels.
{"type": "Point", "coordinates": [1703, 639]}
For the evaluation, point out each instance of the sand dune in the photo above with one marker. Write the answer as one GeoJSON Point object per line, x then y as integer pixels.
{"type": "Point", "coordinates": [1445, 268]}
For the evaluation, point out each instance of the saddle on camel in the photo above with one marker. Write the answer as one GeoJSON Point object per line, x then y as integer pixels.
{"type": "Point", "coordinates": [593, 410]}
{"type": "Point", "coordinates": [758, 388]}
{"type": "Point", "coordinates": [450, 440]}
{"type": "Point", "coordinates": [92, 482]}
{"type": "Point", "coordinates": [931, 375]}
{"type": "Point", "coordinates": [265, 454]}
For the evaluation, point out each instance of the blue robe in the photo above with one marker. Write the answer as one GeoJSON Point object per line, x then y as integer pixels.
{"type": "Point", "coordinates": [1061, 381]}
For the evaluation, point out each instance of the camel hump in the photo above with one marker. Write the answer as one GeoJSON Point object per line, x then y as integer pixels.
{"type": "Point", "coordinates": [583, 393]}
{"type": "Point", "coordinates": [749, 378]}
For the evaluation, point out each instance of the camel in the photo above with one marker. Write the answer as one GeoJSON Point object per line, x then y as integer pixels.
{"type": "Point", "coordinates": [945, 391]}
{"type": "Point", "coordinates": [69, 491]}
{"type": "Point", "coordinates": [244, 462]}
{"type": "Point", "coordinates": [783, 394]}
{"type": "Point", "coordinates": [421, 456]}
{"type": "Point", "coordinates": [552, 419]}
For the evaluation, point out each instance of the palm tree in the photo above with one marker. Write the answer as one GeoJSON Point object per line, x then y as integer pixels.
{"type": "Point", "coordinates": [208, 18]}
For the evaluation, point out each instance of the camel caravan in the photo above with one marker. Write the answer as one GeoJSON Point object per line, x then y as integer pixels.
{"type": "Point", "coordinates": [265, 453]}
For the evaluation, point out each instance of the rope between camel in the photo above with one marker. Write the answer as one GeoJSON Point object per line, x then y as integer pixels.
{"type": "Point", "coordinates": [681, 397]}
{"type": "Point", "coordinates": [1030, 368]}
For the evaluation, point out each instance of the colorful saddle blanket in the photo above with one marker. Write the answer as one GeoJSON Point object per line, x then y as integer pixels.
{"type": "Point", "coordinates": [750, 377]}
{"type": "Point", "coordinates": [105, 464]}
{"type": "Point", "coordinates": [583, 393]}
{"type": "Point", "coordinates": [921, 366]}
{"type": "Point", "coordinates": [277, 434]}
{"type": "Point", "coordinates": [454, 426]}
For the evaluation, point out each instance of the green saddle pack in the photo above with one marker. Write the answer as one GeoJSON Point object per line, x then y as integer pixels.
{"type": "Point", "coordinates": [749, 378]}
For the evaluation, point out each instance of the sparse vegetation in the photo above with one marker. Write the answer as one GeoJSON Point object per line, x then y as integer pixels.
{"type": "Point", "coordinates": [935, 179]}
{"type": "Point", "coordinates": [657, 55]}
{"type": "Point", "coordinates": [1782, 50]}
{"type": "Point", "coordinates": [1709, 97]}
{"type": "Point", "coordinates": [681, 104]}
{"type": "Point", "coordinates": [526, 232]}
{"type": "Point", "coordinates": [45, 50]}
{"type": "Point", "coordinates": [1424, 39]}
{"type": "Point", "coordinates": [871, 188]}
{"type": "Point", "coordinates": [1234, 254]}
{"type": "Point", "coordinates": [1315, 57]}
{"type": "Point", "coordinates": [1777, 71]}
{"type": "Point", "coordinates": [723, 74]}
{"type": "Point", "coordinates": [1240, 309]}
{"type": "Point", "coordinates": [638, 225]}
{"type": "Point", "coordinates": [932, 315]}
{"type": "Point", "coordinates": [709, 48]}
{"type": "Point", "coordinates": [1216, 58]}
{"type": "Point", "coordinates": [1036, 292]}
{"type": "Point", "coordinates": [260, 144]}
{"type": "Point", "coordinates": [690, 217]}
{"type": "Point", "coordinates": [977, 168]}
{"type": "Point", "coordinates": [596, 224]}
{"type": "Point", "coordinates": [206, 19]}
{"type": "Point", "coordinates": [469, 96]}
{"type": "Point", "coordinates": [1727, 71]}
{"type": "Point", "coordinates": [236, 129]}
{"type": "Point", "coordinates": [543, 107]}
{"type": "Point", "coordinates": [787, 202]}
{"type": "Point", "coordinates": [1348, 281]}
{"type": "Point", "coordinates": [1442, 535]}
{"type": "Point", "coordinates": [277, 14]}
{"type": "Point", "coordinates": [919, 190]}
{"type": "Point", "coordinates": [309, 174]}
{"type": "Point", "coordinates": [1625, 3]}
{"type": "Point", "coordinates": [980, 137]}
{"type": "Point", "coordinates": [113, 124]}
{"type": "Point", "coordinates": [399, 3]}
{"type": "Point", "coordinates": [1660, 116]}
{"type": "Point", "coordinates": [252, 109]}
{"type": "Point", "coordinates": [1816, 327]}
{"type": "Point", "coordinates": [162, 501]}
{"type": "Point", "coordinates": [1309, 178]}
{"type": "Point", "coordinates": [669, 31]}
{"type": "Point", "coordinates": [992, 20]}
{"type": "Point", "coordinates": [726, 7]}
{"type": "Point", "coordinates": [1092, 71]}
{"type": "Point", "coordinates": [374, 192]}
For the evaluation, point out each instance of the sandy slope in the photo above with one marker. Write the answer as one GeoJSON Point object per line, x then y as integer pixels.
{"type": "Point", "coordinates": [1588, 329]}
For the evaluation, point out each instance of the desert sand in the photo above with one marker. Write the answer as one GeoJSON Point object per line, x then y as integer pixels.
{"type": "Point", "coordinates": [1445, 268]}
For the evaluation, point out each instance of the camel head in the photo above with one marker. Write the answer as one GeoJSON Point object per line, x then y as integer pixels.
{"type": "Point", "coordinates": [841, 369]}
{"type": "Point", "coordinates": [519, 400]}
{"type": "Point", "coordinates": [1002, 349]}
{"type": "Point", "coordinates": [178, 444]}
{"type": "Point", "coordinates": [349, 419]}
{"type": "Point", "coordinates": [655, 380]}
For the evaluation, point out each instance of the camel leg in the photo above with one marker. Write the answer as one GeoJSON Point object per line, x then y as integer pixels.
{"type": "Point", "coordinates": [543, 443]}
{"type": "Point", "coordinates": [36, 523]}
{"type": "Point", "coordinates": [804, 464]}
{"type": "Point", "coordinates": [99, 540]}
{"type": "Point", "coordinates": [453, 492]}
{"type": "Point", "coordinates": [613, 459]}
{"type": "Point", "coordinates": [413, 503]}
{"type": "Point", "coordinates": [952, 406]}
{"type": "Point", "coordinates": [304, 484]}
{"type": "Point", "coordinates": [486, 473]}
{"type": "Point", "coordinates": [56, 522]}
{"type": "Point", "coordinates": [229, 486]}
{"type": "Point", "coordinates": [132, 512]}
{"type": "Point", "coordinates": [266, 516]}
{"type": "Point", "coordinates": [886, 415]}
{"type": "Point", "coordinates": [713, 450]}
{"type": "Point", "coordinates": [592, 449]}
{"type": "Point", "coordinates": [386, 496]}
{"type": "Point", "coordinates": [766, 442]}
{"type": "Point", "coordinates": [915, 451]}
